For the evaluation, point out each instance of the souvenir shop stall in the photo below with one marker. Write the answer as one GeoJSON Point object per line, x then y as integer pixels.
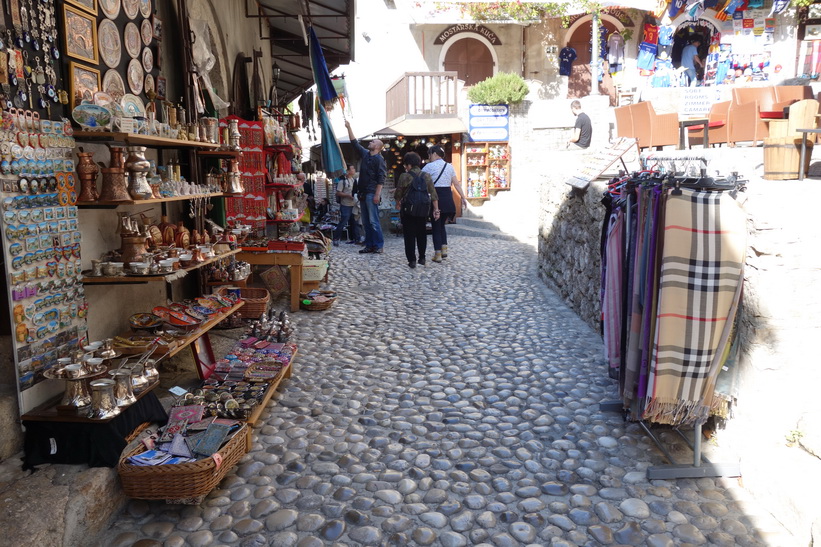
{"type": "Point", "coordinates": [107, 186]}
{"type": "Point", "coordinates": [673, 253]}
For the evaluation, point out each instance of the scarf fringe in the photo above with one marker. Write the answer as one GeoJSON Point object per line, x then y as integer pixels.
{"type": "Point", "coordinates": [722, 406]}
{"type": "Point", "coordinates": [675, 412]}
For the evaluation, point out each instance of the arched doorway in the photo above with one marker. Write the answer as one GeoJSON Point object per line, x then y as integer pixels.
{"type": "Point", "coordinates": [578, 84]}
{"type": "Point", "coordinates": [471, 59]}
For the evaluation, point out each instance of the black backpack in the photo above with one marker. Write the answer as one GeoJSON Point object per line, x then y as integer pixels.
{"type": "Point", "coordinates": [416, 202]}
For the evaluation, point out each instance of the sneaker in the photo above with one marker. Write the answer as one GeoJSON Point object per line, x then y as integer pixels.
{"type": "Point", "coordinates": [444, 251]}
{"type": "Point", "coordinates": [378, 251]}
{"type": "Point", "coordinates": [437, 257]}
{"type": "Point", "coordinates": [412, 264]}
{"type": "Point", "coordinates": [366, 250]}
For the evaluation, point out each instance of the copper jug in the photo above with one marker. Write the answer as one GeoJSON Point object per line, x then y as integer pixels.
{"type": "Point", "coordinates": [117, 158]}
{"type": "Point", "coordinates": [87, 172]}
{"type": "Point", "coordinates": [114, 185]}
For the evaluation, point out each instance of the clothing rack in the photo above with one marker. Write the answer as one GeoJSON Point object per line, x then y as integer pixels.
{"type": "Point", "coordinates": [656, 270]}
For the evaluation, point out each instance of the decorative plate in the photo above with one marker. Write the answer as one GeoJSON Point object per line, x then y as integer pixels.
{"type": "Point", "coordinates": [148, 59]}
{"type": "Point", "coordinates": [111, 8]}
{"type": "Point", "coordinates": [101, 98]}
{"type": "Point", "coordinates": [132, 39]}
{"type": "Point", "coordinates": [91, 115]}
{"type": "Point", "coordinates": [131, 8]}
{"type": "Point", "coordinates": [145, 8]}
{"type": "Point", "coordinates": [135, 76]}
{"type": "Point", "coordinates": [132, 106]}
{"type": "Point", "coordinates": [146, 31]}
{"type": "Point", "coordinates": [111, 49]}
{"type": "Point", "coordinates": [113, 84]}
{"type": "Point", "coordinates": [149, 84]}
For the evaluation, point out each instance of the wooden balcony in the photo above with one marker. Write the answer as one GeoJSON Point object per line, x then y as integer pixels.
{"type": "Point", "coordinates": [418, 97]}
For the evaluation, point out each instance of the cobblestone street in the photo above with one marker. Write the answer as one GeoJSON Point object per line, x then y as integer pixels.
{"type": "Point", "coordinates": [453, 404]}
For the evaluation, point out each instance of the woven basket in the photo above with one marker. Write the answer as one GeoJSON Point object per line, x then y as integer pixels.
{"type": "Point", "coordinates": [182, 480]}
{"type": "Point", "coordinates": [256, 302]}
{"type": "Point", "coordinates": [315, 306]}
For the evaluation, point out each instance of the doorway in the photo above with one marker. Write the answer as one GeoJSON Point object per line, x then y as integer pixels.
{"type": "Point", "coordinates": [578, 84]}
{"type": "Point", "coordinates": [470, 59]}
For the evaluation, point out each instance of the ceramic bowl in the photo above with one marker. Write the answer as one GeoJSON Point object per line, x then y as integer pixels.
{"type": "Point", "coordinates": [140, 268]}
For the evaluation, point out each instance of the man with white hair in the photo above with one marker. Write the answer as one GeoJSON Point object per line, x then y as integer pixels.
{"type": "Point", "coordinates": [372, 174]}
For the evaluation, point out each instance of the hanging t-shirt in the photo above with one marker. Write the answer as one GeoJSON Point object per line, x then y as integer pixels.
{"type": "Point", "coordinates": [666, 35]}
{"type": "Point", "coordinates": [651, 33]}
{"type": "Point", "coordinates": [566, 57]}
{"type": "Point", "coordinates": [647, 56]}
{"type": "Point", "coordinates": [615, 49]}
{"type": "Point", "coordinates": [675, 7]}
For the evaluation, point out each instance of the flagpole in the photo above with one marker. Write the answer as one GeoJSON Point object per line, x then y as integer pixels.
{"type": "Point", "coordinates": [594, 54]}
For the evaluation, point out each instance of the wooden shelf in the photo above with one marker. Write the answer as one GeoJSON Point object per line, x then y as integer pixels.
{"type": "Point", "coordinates": [48, 411]}
{"type": "Point", "coordinates": [281, 221]}
{"type": "Point", "coordinates": [135, 279]}
{"type": "Point", "coordinates": [498, 187]}
{"type": "Point", "coordinates": [479, 198]}
{"type": "Point", "coordinates": [477, 165]}
{"type": "Point", "coordinates": [141, 140]}
{"type": "Point", "coordinates": [205, 327]}
{"type": "Point", "coordinates": [280, 185]}
{"type": "Point", "coordinates": [225, 154]}
{"type": "Point", "coordinates": [109, 204]}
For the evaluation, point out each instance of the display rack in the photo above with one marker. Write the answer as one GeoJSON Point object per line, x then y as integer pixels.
{"type": "Point", "coordinates": [487, 165]}
{"type": "Point", "coordinates": [107, 280]}
{"type": "Point", "coordinates": [142, 140]}
{"type": "Point", "coordinates": [113, 204]}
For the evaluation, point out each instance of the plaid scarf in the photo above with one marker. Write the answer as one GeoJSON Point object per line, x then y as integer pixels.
{"type": "Point", "coordinates": [702, 267]}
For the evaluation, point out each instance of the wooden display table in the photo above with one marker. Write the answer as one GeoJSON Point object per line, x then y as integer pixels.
{"type": "Point", "coordinates": [279, 258]}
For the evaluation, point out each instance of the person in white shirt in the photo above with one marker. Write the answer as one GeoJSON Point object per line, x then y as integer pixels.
{"type": "Point", "coordinates": [345, 189]}
{"type": "Point", "coordinates": [444, 177]}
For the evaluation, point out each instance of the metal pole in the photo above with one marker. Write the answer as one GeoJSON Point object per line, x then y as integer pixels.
{"type": "Point", "coordinates": [594, 55]}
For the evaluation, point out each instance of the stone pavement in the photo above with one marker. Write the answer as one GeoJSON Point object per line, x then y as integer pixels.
{"type": "Point", "coordinates": [454, 404]}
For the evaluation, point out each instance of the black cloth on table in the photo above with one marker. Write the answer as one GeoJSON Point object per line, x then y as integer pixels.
{"type": "Point", "coordinates": [97, 444]}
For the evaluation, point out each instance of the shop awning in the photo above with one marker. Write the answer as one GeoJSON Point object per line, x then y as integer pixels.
{"type": "Point", "coordinates": [424, 126]}
{"type": "Point", "coordinates": [333, 23]}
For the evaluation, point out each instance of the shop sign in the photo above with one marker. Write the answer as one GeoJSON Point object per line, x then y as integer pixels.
{"type": "Point", "coordinates": [453, 30]}
{"type": "Point", "coordinates": [618, 14]}
{"type": "Point", "coordinates": [697, 101]}
{"type": "Point", "coordinates": [488, 122]}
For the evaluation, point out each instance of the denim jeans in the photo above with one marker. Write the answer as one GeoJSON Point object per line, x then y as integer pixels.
{"type": "Point", "coordinates": [440, 236]}
{"type": "Point", "coordinates": [346, 220]}
{"type": "Point", "coordinates": [370, 220]}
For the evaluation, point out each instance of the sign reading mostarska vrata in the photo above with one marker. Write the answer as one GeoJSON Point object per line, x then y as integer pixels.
{"type": "Point", "coordinates": [482, 30]}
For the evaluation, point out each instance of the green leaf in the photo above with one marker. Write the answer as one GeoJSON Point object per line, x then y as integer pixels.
{"type": "Point", "coordinates": [503, 88]}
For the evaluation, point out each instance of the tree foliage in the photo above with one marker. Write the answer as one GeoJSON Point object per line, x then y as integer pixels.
{"type": "Point", "coordinates": [503, 88]}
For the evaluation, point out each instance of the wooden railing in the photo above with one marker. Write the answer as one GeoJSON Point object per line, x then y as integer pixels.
{"type": "Point", "coordinates": [422, 95]}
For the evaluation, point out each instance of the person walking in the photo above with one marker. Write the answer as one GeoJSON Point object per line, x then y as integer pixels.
{"type": "Point", "coordinates": [344, 191]}
{"type": "Point", "coordinates": [444, 177]}
{"type": "Point", "coordinates": [689, 59]}
{"type": "Point", "coordinates": [372, 174]}
{"type": "Point", "coordinates": [414, 227]}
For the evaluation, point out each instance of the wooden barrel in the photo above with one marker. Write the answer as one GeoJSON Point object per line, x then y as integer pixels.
{"type": "Point", "coordinates": [782, 156]}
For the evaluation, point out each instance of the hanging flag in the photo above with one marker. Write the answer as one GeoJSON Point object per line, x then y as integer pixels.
{"type": "Point", "coordinates": [332, 162]}
{"type": "Point", "coordinates": [324, 85]}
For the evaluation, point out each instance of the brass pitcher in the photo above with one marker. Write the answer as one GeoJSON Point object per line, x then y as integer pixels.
{"type": "Point", "coordinates": [114, 185]}
{"type": "Point", "coordinates": [123, 393]}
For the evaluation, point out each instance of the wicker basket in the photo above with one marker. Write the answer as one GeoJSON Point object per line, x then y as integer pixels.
{"type": "Point", "coordinates": [315, 306]}
{"type": "Point", "coordinates": [256, 302]}
{"type": "Point", "coordinates": [182, 480]}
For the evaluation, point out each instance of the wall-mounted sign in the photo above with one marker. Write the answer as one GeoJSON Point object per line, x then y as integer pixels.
{"type": "Point", "coordinates": [620, 15]}
{"type": "Point", "coordinates": [488, 122]}
{"type": "Point", "coordinates": [453, 30]}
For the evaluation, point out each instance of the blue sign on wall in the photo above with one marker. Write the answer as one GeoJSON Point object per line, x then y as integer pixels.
{"type": "Point", "coordinates": [488, 122]}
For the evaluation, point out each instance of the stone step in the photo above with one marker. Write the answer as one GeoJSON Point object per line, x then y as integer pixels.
{"type": "Point", "coordinates": [475, 223]}
{"type": "Point", "coordinates": [470, 231]}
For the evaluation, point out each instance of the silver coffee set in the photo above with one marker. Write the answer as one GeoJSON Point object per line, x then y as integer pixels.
{"type": "Point", "coordinates": [93, 395]}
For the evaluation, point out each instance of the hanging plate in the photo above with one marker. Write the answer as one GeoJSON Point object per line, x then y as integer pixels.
{"type": "Point", "coordinates": [111, 8]}
{"type": "Point", "coordinates": [145, 8]}
{"type": "Point", "coordinates": [132, 39]}
{"type": "Point", "coordinates": [146, 31]}
{"type": "Point", "coordinates": [135, 77]}
{"type": "Point", "coordinates": [148, 59]}
{"type": "Point", "coordinates": [113, 84]}
{"type": "Point", "coordinates": [132, 106]}
{"type": "Point", "coordinates": [131, 8]}
{"type": "Point", "coordinates": [111, 49]}
{"type": "Point", "coordinates": [149, 83]}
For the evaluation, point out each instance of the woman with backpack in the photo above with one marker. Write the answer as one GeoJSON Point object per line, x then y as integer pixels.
{"type": "Point", "coordinates": [414, 195]}
{"type": "Point", "coordinates": [444, 177]}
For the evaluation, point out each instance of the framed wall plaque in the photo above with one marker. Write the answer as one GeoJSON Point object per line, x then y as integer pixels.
{"type": "Point", "coordinates": [88, 5]}
{"type": "Point", "coordinates": [80, 34]}
{"type": "Point", "coordinates": [85, 82]}
{"type": "Point", "coordinates": [156, 23]}
{"type": "Point", "coordinates": [161, 88]}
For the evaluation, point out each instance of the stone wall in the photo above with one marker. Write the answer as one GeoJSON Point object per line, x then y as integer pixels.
{"type": "Point", "coordinates": [778, 365]}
